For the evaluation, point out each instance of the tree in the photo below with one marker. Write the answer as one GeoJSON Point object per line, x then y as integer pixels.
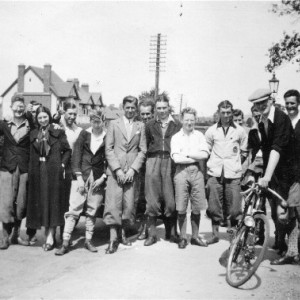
{"type": "Point", "coordinates": [151, 94]}
{"type": "Point", "coordinates": [288, 48]}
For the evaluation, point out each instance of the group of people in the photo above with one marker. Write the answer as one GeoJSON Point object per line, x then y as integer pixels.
{"type": "Point", "coordinates": [146, 163]}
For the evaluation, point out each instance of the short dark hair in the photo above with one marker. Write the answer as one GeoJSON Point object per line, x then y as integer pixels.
{"type": "Point", "coordinates": [147, 102]}
{"type": "Point", "coordinates": [45, 110]}
{"type": "Point", "coordinates": [291, 93]}
{"type": "Point", "coordinates": [188, 110]}
{"type": "Point", "coordinates": [69, 104]}
{"type": "Point", "coordinates": [162, 98]}
{"type": "Point", "coordinates": [225, 104]}
{"type": "Point", "coordinates": [33, 102]}
{"type": "Point", "coordinates": [238, 112]}
{"type": "Point", "coordinates": [130, 99]}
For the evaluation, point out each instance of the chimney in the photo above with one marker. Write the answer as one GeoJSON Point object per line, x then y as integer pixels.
{"type": "Point", "coordinates": [21, 72]}
{"type": "Point", "coordinates": [85, 86]}
{"type": "Point", "coordinates": [47, 78]}
{"type": "Point", "coordinates": [76, 81]}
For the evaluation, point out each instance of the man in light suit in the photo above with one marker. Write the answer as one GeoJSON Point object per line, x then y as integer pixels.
{"type": "Point", "coordinates": [125, 150]}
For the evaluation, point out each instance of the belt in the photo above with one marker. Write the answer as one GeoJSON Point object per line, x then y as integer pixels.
{"type": "Point", "coordinates": [42, 158]}
{"type": "Point", "coordinates": [160, 154]}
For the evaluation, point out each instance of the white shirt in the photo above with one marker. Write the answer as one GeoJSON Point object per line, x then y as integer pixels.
{"type": "Point", "coordinates": [182, 143]}
{"type": "Point", "coordinates": [72, 134]}
{"type": "Point", "coordinates": [295, 120]}
{"type": "Point", "coordinates": [96, 141]}
{"type": "Point", "coordinates": [128, 126]}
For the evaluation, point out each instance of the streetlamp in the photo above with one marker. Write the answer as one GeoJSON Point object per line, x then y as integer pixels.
{"type": "Point", "coordinates": [274, 83]}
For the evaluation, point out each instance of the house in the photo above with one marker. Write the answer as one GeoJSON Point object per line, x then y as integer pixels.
{"type": "Point", "coordinates": [46, 87]}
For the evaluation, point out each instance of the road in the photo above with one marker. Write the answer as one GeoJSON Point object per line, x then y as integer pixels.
{"type": "Point", "coordinates": [161, 271]}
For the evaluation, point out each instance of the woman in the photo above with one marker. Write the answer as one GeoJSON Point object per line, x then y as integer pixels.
{"type": "Point", "coordinates": [89, 166]}
{"type": "Point", "coordinates": [49, 153]}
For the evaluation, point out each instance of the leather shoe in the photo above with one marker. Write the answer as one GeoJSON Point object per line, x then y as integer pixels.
{"type": "Point", "coordinates": [16, 240]}
{"type": "Point", "coordinates": [144, 233]}
{"type": "Point", "coordinates": [48, 247]}
{"type": "Point", "coordinates": [61, 251]}
{"type": "Point", "coordinates": [198, 242]}
{"type": "Point", "coordinates": [212, 240]}
{"type": "Point", "coordinates": [182, 244]}
{"type": "Point", "coordinates": [4, 244]}
{"type": "Point", "coordinates": [112, 247]}
{"type": "Point", "coordinates": [284, 261]}
{"type": "Point", "coordinates": [125, 241]}
{"type": "Point", "coordinates": [174, 239]}
{"type": "Point", "coordinates": [89, 246]}
{"type": "Point", "coordinates": [150, 241]}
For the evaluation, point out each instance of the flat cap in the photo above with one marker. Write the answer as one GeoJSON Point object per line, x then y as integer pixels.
{"type": "Point", "coordinates": [260, 95]}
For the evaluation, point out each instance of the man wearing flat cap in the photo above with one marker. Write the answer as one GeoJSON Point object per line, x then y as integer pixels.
{"type": "Point", "coordinates": [125, 150]}
{"type": "Point", "coordinates": [278, 152]}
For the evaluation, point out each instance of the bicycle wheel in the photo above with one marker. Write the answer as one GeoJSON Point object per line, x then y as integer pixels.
{"type": "Point", "coordinates": [245, 256]}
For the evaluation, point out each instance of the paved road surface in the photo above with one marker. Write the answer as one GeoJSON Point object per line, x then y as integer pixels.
{"type": "Point", "coordinates": [159, 272]}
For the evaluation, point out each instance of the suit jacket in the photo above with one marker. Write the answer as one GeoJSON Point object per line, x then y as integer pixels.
{"type": "Point", "coordinates": [84, 160]}
{"type": "Point", "coordinates": [121, 152]}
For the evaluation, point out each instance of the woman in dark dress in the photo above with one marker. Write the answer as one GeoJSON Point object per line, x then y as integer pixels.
{"type": "Point", "coordinates": [49, 153]}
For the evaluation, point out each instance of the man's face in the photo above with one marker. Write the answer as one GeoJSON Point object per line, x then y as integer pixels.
{"type": "Point", "coordinates": [129, 110]}
{"type": "Point", "coordinates": [238, 119]}
{"type": "Point", "coordinates": [264, 106]}
{"type": "Point", "coordinates": [292, 106]}
{"type": "Point", "coordinates": [162, 109]}
{"type": "Point", "coordinates": [256, 115]}
{"type": "Point", "coordinates": [18, 108]}
{"type": "Point", "coordinates": [146, 113]}
{"type": "Point", "coordinates": [97, 124]}
{"type": "Point", "coordinates": [225, 115]}
{"type": "Point", "coordinates": [34, 108]}
{"type": "Point", "coordinates": [188, 122]}
{"type": "Point", "coordinates": [70, 116]}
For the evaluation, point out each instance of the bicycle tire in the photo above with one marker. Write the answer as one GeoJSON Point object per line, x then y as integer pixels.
{"type": "Point", "coordinates": [237, 251]}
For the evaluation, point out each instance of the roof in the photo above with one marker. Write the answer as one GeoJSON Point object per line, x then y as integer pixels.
{"type": "Point", "coordinates": [85, 97]}
{"type": "Point", "coordinates": [111, 114]}
{"type": "Point", "coordinates": [40, 73]}
{"type": "Point", "coordinates": [63, 89]}
{"type": "Point", "coordinates": [97, 99]}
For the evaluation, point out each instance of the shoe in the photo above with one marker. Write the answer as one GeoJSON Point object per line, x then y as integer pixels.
{"type": "Point", "coordinates": [182, 244]}
{"type": "Point", "coordinates": [17, 240]}
{"type": "Point", "coordinates": [62, 250]}
{"type": "Point", "coordinates": [150, 240]}
{"type": "Point", "coordinates": [212, 240]}
{"type": "Point", "coordinates": [89, 246]}
{"type": "Point", "coordinates": [284, 261]}
{"type": "Point", "coordinates": [125, 241]}
{"type": "Point", "coordinates": [32, 240]}
{"type": "Point", "coordinates": [174, 239]}
{"type": "Point", "coordinates": [260, 242]}
{"type": "Point", "coordinates": [282, 249]}
{"type": "Point", "coordinates": [198, 242]}
{"type": "Point", "coordinates": [223, 223]}
{"type": "Point", "coordinates": [112, 247]}
{"type": "Point", "coordinates": [144, 233]}
{"type": "Point", "coordinates": [4, 244]}
{"type": "Point", "coordinates": [48, 247]}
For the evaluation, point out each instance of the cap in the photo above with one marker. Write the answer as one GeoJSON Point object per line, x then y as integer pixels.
{"type": "Point", "coordinates": [260, 95]}
{"type": "Point", "coordinates": [17, 97]}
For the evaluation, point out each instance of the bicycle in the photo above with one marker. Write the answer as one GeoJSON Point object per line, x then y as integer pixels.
{"type": "Point", "coordinates": [245, 254]}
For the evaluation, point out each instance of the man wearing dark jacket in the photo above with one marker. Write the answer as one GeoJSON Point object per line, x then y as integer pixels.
{"type": "Point", "coordinates": [159, 189]}
{"type": "Point", "coordinates": [14, 173]}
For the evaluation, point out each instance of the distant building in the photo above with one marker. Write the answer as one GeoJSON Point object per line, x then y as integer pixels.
{"type": "Point", "coordinates": [46, 87]}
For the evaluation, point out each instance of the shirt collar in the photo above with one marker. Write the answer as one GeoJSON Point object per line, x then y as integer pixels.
{"type": "Point", "coordinates": [126, 121]}
{"type": "Point", "coordinates": [98, 137]}
{"type": "Point", "coordinates": [231, 123]}
{"type": "Point", "coordinates": [11, 122]}
{"type": "Point", "coordinates": [184, 134]}
{"type": "Point", "coordinates": [295, 120]}
{"type": "Point", "coordinates": [170, 119]}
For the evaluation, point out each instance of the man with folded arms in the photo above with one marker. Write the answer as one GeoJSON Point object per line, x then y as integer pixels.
{"type": "Point", "coordinates": [188, 147]}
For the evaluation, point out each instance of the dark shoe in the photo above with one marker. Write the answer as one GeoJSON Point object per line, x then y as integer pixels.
{"type": "Point", "coordinates": [112, 247]}
{"type": "Point", "coordinates": [174, 239]}
{"type": "Point", "coordinates": [32, 240]}
{"type": "Point", "coordinates": [212, 240]}
{"type": "Point", "coordinates": [260, 241]}
{"type": "Point", "coordinates": [182, 244]}
{"type": "Point", "coordinates": [63, 250]}
{"type": "Point", "coordinates": [282, 249]}
{"type": "Point", "coordinates": [125, 241]}
{"type": "Point", "coordinates": [223, 223]}
{"type": "Point", "coordinates": [284, 261]}
{"type": "Point", "coordinates": [48, 247]}
{"type": "Point", "coordinates": [4, 244]}
{"type": "Point", "coordinates": [89, 246]}
{"type": "Point", "coordinates": [198, 242]}
{"type": "Point", "coordinates": [16, 240]}
{"type": "Point", "coordinates": [143, 234]}
{"type": "Point", "coordinates": [150, 241]}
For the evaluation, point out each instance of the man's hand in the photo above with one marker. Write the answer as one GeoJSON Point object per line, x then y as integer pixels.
{"type": "Point", "coordinates": [56, 126]}
{"type": "Point", "coordinates": [264, 182]}
{"type": "Point", "coordinates": [81, 188]}
{"type": "Point", "coordinates": [29, 107]}
{"type": "Point", "coordinates": [120, 176]}
{"type": "Point", "coordinates": [97, 183]}
{"type": "Point", "coordinates": [129, 175]}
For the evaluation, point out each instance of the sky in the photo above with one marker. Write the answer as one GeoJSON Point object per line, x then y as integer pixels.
{"type": "Point", "coordinates": [215, 50]}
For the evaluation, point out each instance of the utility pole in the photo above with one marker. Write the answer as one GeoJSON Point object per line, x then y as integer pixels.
{"type": "Point", "coordinates": [158, 45]}
{"type": "Point", "coordinates": [181, 95]}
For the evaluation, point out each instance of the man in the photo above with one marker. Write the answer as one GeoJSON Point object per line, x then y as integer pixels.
{"type": "Point", "coordinates": [159, 189]}
{"type": "Point", "coordinates": [227, 143]}
{"type": "Point", "coordinates": [125, 150]}
{"type": "Point", "coordinates": [238, 117]}
{"type": "Point", "coordinates": [89, 166]}
{"type": "Point", "coordinates": [14, 173]}
{"type": "Point", "coordinates": [188, 147]}
{"type": "Point", "coordinates": [146, 111]}
{"type": "Point", "coordinates": [278, 152]}
{"type": "Point", "coordinates": [292, 101]}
